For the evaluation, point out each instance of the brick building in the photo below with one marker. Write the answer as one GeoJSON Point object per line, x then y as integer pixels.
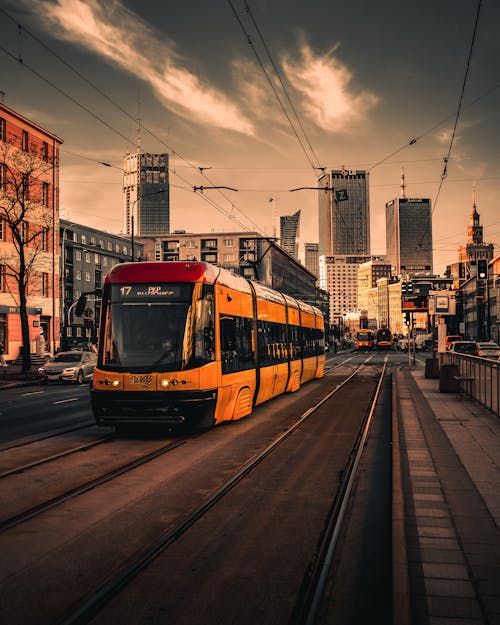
{"type": "Point", "coordinates": [29, 221]}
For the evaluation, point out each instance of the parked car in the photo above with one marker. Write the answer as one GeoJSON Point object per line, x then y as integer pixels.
{"type": "Point", "coordinates": [74, 366]}
{"type": "Point", "coordinates": [451, 338]}
{"type": "Point", "coordinates": [470, 348]}
{"type": "Point", "coordinates": [489, 350]}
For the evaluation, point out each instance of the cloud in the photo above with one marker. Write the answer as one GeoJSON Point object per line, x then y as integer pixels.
{"type": "Point", "coordinates": [122, 38]}
{"type": "Point", "coordinates": [325, 86]}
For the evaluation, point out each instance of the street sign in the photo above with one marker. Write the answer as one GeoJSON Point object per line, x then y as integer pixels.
{"type": "Point", "coordinates": [341, 195]}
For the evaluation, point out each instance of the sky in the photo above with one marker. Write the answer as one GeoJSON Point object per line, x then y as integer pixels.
{"type": "Point", "coordinates": [373, 86]}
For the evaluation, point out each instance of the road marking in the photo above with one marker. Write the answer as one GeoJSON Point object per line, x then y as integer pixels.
{"type": "Point", "coordinates": [32, 393]}
{"type": "Point", "coordinates": [65, 401]}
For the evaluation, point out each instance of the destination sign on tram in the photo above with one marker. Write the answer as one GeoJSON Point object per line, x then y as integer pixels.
{"type": "Point", "coordinates": [149, 291]}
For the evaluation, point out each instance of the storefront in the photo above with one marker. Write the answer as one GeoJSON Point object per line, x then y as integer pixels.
{"type": "Point", "coordinates": [11, 334]}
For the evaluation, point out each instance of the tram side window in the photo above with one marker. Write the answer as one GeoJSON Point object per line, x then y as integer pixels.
{"type": "Point", "coordinates": [236, 344]}
{"type": "Point", "coordinates": [273, 347]}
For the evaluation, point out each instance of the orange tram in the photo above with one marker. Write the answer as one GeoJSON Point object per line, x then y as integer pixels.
{"type": "Point", "coordinates": [365, 339]}
{"type": "Point", "coordinates": [189, 342]}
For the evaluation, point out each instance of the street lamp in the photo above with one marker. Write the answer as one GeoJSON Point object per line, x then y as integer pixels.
{"type": "Point", "coordinates": [134, 203]}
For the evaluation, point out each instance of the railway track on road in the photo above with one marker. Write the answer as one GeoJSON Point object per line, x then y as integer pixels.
{"type": "Point", "coordinates": [309, 593]}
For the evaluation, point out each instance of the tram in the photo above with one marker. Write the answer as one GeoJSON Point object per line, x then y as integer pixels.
{"type": "Point", "coordinates": [384, 339]}
{"type": "Point", "coordinates": [189, 342]}
{"type": "Point", "coordinates": [365, 339]}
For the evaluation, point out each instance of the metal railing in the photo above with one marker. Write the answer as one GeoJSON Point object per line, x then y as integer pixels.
{"type": "Point", "coordinates": [480, 379]}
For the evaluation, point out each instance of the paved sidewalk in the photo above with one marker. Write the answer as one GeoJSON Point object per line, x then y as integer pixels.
{"type": "Point", "coordinates": [450, 450]}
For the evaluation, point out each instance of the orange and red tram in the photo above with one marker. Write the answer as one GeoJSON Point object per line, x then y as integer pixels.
{"type": "Point", "coordinates": [365, 339]}
{"type": "Point", "coordinates": [189, 342]}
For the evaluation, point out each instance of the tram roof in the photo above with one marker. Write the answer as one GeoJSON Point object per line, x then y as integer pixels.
{"type": "Point", "coordinates": [176, 271]}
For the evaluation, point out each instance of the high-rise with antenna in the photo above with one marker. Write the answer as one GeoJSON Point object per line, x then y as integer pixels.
{"type": "Point", "coordinates": [408, 223]}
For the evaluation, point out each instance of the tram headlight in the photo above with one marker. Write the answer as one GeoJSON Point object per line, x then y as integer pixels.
{"type": "Point", "coordinates": [115, 382]}
{"type": "Point", "coordinates": [164, 383]}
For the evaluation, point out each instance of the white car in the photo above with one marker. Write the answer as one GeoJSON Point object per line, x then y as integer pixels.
{"type": "Point", "coordinates": [74, 366]}
{"type": "Point", "coordinates": [489, 350]}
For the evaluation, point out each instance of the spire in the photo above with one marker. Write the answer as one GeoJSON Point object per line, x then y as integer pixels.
{"type": "Point", "coordinates": [403, 185]}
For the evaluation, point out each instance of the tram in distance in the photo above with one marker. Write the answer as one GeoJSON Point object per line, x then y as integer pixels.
{"type": "Point", "coordinates": [365, 339]}
{"type": "Point", "coordinates": [384, 339]}
{"type": "Point", "coordinates": [189, 342]}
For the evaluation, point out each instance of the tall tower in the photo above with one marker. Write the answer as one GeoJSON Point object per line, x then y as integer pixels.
{"type": "Point", "coordinates": [475, 247]}
{"type": "Point", "coordinates": [146, 194]}
{"type": "Point", "coordinates": [289, 231]}
{"type": "Point", "coordinates": [344, 213]}
{"type": "Point", "coordinates": [409, 235]}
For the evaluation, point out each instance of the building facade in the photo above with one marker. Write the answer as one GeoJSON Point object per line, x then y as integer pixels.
{"type": "Point", "coordinates": [29, 221]}
{"type": "Point", "coordinates": [86, 256]}
{"type": "Point", "coordinates": [409, 236]}
{"type": "Point", "coordinates": [289, 232]}
{"type": "Point", "coordinates": [309, 257]}
{"type": "Point", "coordinates": [344, 213]}
{"type": "Point", "coordinates": [368, 274]}
{"type": "Point", "coordinates": [339, 276]}
{"type": "Point", "coordinates": [146, 194]}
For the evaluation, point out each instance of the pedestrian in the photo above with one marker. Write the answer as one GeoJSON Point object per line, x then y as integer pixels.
{"type": "Point", "coordinates": [2, 355]}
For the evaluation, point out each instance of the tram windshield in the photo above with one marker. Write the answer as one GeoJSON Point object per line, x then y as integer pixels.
{"type": "Point", "coordinates": [157, 327]}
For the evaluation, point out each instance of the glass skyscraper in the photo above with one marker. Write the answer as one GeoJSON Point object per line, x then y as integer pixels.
{"type": "Point", "coordinates": [289, 231]}
{"type": "Point", "coordinates": [409, 235]}
{"type": "Point", "coordinates": [344, 213]}
{"type": "Point", "coordinates": [146, 194]}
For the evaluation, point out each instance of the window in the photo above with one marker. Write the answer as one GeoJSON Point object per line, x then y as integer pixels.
{"type": "Point", "coordinates": [45, 284]}
{"type": "Point", "coordinates": [3, 177]}
{"type": "Point", "coordinates": [3, 127]}
{"type": "Point", "coordinates": [45, 151]}
{"type": "Point", "coordinates": [84, 239]}
{"type": "Point", "coordinates": [2, 278]}
{"type": "Point", "coordinates": [45, 193]}
{"type": "Point", "coordinates": [87, 276]}
{"type": "Point", "coordinates": [92, 241]}
{"type": "Point", "coordinates": [78, 254]}
{"type": "Point", "coordinates": [117, 248]}
{"type": "Point", "coordinates": [228, 257]}
{"type": "Point", "coordinates": [78, 274]}
{"type": "Point", "coordinates": [125, 250]}
{"type": "Point", "coordinates": [110, 246]}
{"type": "Point", "coordinates": [97, 259]}
{"type": "Point", "coordinates": [87, 256]}
{"type": "Point", "coordinates": [236, 343]}
{"type": "Point", "coordinates": [45, 239]}
{"type": "Point", "coordinates": [228, 243]}
{"type": "Point", "coordinates": [25, 141]}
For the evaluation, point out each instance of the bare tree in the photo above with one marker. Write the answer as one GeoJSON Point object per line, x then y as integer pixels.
{"type": "Point", "coordinates": [25, 208]}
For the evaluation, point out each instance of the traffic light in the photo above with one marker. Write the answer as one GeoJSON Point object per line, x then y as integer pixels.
{"type": "Point", "coordinates": [407, 319]}
{"type": "Point", "coordinates": [403, 288]}
{"type": "Point", "coordinates": [482, 268]}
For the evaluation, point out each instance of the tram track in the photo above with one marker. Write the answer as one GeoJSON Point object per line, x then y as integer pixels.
{"type": "Point", "coordinates": [93, 605]}
{"type": "Point", "coordinates": [87, 486]}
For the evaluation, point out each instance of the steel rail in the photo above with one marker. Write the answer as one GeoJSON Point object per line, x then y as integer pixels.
{"type": "Point", "coordinates": [58, 432]}
{"type": "Point", "coordinates": [306, 610]}
{"type": "Point", "coordinates": [80, 490]}
{"type": "Point", "coordinates": [61, 454]}
{"type": "Point", "coordinates": [92, 605]}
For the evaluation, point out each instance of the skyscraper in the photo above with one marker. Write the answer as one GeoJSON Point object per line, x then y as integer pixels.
{"type": "Point", "coordinates": [289, 231]}
{"type": "Point", "coordinates": [146, 197]}
{"type": "Point", "coordinates": [409, 235]}
{"type": "Point", "coordinates": [344, 213]}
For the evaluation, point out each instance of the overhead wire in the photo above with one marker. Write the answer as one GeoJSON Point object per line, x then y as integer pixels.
{"type": "Point", "coordinates": [271, 83]}
{"type": "Point", "coordinates": [283, 86]}
{"type": "Point", "coordinates": [457, 117]}
{"type": "Point", "coordinates": [230, 215]}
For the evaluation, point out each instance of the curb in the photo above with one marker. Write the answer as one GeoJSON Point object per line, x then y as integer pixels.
{"type": "Point", "coordinates": [400, 576]}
